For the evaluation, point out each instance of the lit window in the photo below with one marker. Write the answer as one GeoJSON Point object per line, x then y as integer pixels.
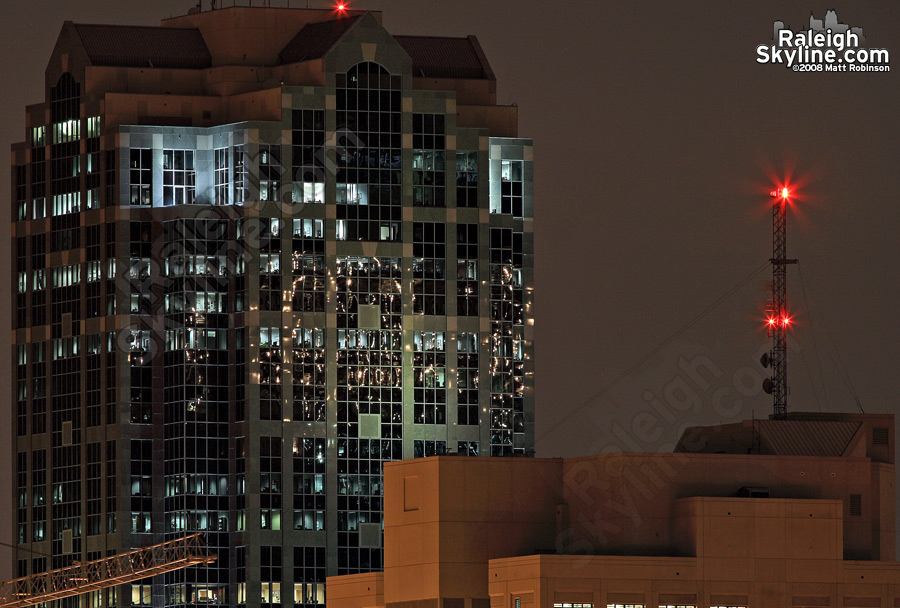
{"type": "Point", "coordinates": [38, 136]}
{"type": "Point", "coordinates": [240, 174]}
{"type": "Point", "coordinates": [179, 179]}
{"type": "Point", "coordinates": [269, 172]}
{"type": "Point", "coordinates": [66, 131]}
{"type": "Point", "coordinates": [140, 595]}
{"type": "Point", "coordinates": [511, 197]}
{"type": "Point", "coordinates": [93, 126]}
{"type": "Point", "coordinates": [221, 176]}
{"type": "Point", "coordinates": [140, 164]}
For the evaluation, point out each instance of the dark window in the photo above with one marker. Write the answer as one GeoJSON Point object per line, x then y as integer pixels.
{"type": "Point", "coordinates": [855, 505]}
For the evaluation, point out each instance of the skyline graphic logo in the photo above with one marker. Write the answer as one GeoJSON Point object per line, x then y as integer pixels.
{"type": "Point", "coordinates": [826, 46]}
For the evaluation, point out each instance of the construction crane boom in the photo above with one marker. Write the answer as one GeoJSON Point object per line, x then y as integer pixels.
{"type": "Point", "coordinates": [106, 572]}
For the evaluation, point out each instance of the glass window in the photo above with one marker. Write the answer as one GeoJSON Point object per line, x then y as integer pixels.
{"type": "Point", "coordinates": [179, 179]}
{"type": "Point", "coordinates": [221, 176]}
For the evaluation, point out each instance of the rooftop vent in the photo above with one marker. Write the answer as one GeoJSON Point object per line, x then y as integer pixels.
{"type": "Point", "coordinates": [753, 492]}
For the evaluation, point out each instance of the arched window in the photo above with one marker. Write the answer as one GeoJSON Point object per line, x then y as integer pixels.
{"type": "Point", "coordinates": [64, 99]}
{"type": "Point", "coordinates": [368, 154]}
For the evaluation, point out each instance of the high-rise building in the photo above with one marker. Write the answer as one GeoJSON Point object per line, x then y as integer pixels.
{"type": "Point", "coordinates": [259, 252]}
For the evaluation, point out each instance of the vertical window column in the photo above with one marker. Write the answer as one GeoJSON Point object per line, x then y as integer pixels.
{"type": "Point", "coordinates": [308, 156]}
{"type": "Point", "coordinates": [221, 183]}
{"type": "Point", "coordinates": [270, 483]}
{"type": "Point", "coordinates": [467, 378]}
{"type": "Point", "coordinates": [467, 179]}
{"type": "Point", "coordinates": [429, 143]}
{"type": "Point", "coordinates": [429, 284]}
{"type": "Point", "coordinates": [429, 377]}
{"type": "Point", "coordinates": [467, 270]}
{"type": "Point", "coordinates": [141, 175]}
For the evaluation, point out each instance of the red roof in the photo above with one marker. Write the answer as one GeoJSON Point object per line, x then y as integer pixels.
{"type": "Point", "coordinates": [439, 57]}
{"type": "Point", "coordinates": [144, 46]}
{"type": "Point", "coordinates": [314, 40]}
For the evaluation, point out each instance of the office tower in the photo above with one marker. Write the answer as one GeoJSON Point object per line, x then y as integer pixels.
{"type": "Point", "coordinates": [259, 252]}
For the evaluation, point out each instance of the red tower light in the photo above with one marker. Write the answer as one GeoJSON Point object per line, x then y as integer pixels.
{"type": "Point", "coordinates": [340, 7]}
{"type": "Point", "coordinates": [782, 193]}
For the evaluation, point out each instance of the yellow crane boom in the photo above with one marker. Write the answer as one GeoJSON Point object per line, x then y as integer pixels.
{"type": "Point", "coordinates": [106, 572]}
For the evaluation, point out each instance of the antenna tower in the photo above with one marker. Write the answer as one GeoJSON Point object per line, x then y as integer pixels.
{"type": "Point", "coordinates": [778, 318]}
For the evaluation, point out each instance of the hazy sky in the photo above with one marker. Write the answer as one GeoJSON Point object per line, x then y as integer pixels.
{"type": "Point", "coordinates": [657, 138]}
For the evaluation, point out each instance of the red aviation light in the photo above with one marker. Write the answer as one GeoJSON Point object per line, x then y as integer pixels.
{"type": "Point", "coordinates": [782, 193]}
{"type": "Point", "coordinates": [340, 7]}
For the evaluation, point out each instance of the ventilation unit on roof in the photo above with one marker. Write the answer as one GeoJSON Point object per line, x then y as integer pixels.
{"type": "Point", "coordinates": [753, 492]}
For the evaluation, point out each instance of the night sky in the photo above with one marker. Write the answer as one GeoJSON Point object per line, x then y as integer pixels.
{"type": "Point", "coordinates": [657, 139]}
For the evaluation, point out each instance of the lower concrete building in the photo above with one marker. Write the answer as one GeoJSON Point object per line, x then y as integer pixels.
{"type": "Point", "coordinates": [787, 513]}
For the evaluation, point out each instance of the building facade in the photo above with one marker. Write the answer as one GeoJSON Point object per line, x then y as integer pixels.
{"type": "Point", "coordinates": [259, 253]}
{"type": "Point", "coordinates": [788, 513]}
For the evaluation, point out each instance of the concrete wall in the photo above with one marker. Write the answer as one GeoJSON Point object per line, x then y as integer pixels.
{"type": "Point", "coordinates": [622, 503]}
{"type": "Point", "coordinates": [749, 552]}
{"type": "Point", "coordinates": [356, 590]}
{"type": "Point", "coordinates": [446, 517]}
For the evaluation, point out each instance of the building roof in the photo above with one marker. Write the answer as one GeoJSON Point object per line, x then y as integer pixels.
{"type": "Point", "coordinates": [825, 438]}
{"type": "Point", "coordinates": [806, 437]}
{"type": "Point", "coordinates": [171, 47]}
{"type": "Point", "coordinates": [144, 46]}
{"type": "Point", "coordinates": [439, 57]}
{"type": "Point", "coordinates": [315, 39]}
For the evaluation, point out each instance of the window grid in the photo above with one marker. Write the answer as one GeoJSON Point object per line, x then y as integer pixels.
{"type": "Point", "coordinates": [141, 175]}
{"type": "Point", "coordinates": [309, 467]}
{"type": "Point", "coordinates": [308, 156]}
{"type": "Point", "coordinates": [270, 479]}
{"type": "Point", "coordinates": [179, 179]}
{"type": "Point", "coordinates": [429, 143]}
{"type": "Point", "coordinates": [467, 179]}
{"type": "Point", "coordinates": [467, 269]}
{"type": "Point", "coordinates": [429, 371]}
{"type": "Point", "coordinates": [424, 448]}
{"type": "Point", "coordinates": [511, 184]}
{"type": "Point", "coordinates": [507, 426]}
{"type": "Point", "coordinates": [429, 253]}
{"type": "Point", "coordinates": [270, 172]}
{"type": "Point", "coordinates": [369, 206]}
{"type": "Point", "coordinates": [308, 266]}
{"type": "Point", "coordinates": [467, 448]}
{"type": "Point", "coordinates": [196, 413]}
{"type": "Point", "coordinates": [309, 576]}
{"type": "Point", "coordinates": [467, 378]}
{"type": "Point", "coordinates": [308, 367]}
{"type": "Point", "coordinates": [369, 381]}
{"type": "Point", "coordinates": [221, 183]}
{"type": "Point", "coordinates": [270, 367]}
{"type": "Point", "coordinates": [240, 174]}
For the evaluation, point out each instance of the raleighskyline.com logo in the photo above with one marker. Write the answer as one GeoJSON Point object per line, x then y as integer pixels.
{"type": "Point", "coordinates": [827, 46]}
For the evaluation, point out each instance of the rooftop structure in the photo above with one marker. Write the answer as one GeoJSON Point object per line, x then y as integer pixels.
{"type": "Point", "coordinates": [692, 528]}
